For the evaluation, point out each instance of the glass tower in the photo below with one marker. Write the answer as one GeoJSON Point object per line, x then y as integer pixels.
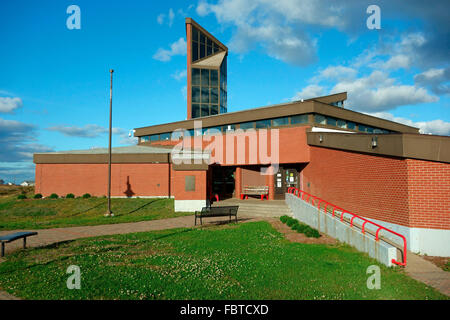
{"type": "Point", "coordinates": [207, 72]}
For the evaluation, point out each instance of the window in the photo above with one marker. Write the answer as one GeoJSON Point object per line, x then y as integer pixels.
{"type": "Point", "coordinates": [302, 118]}
{"type": "Point", "coordinates": [205, 90]}
{"type": "Point", "coordinates": [154, 137]}
{"type": "Point", "coordinates": [331, 121]}
{"type": "Point", "coordinates": [205, 77]}
{"type": "Point", "coordinates": [351, 125]}
{"type": "Point", "coordinates": [176, 135]}
{"type": "Point", "coordinates": [194, 34]}
{"type": "Point", "coordinates": [262, 124]}
{"type": "Point", "coordinates": [341, 123]}
{"type": "Point", "coordinates": [229, 127]}
{"type": "Point", "coordinates": [195, 110]}
{"type": "Point", "coordinates": [280, 121]}
{"type": "Point", "coordinates": [145, 139]}
{"type": "Point", "coordinates": [195, 76]}
{"type": "Point", "coordinates": [202, 50]}
{"type": "Point", "coordinates": [214, 109]}
{"type": "Point", "coordinates": [214, 78]}
{"type": "Point", "coordinates": [214, 95]}
{"type": "Point", "coordinates": [362, 128]}
{"type": "Point", "coordinates": [194, 51]}
{"type": "Point", "coordinates": [164, 136]}
{"type": "Point", "coordinates": [318, 118]}
{"type": "Point", "coordinates": [205, 110]}
{"type": "Point", "coordinates": [214, 130]}
{"type": "Point", "coordinates": [205, 95]}
{"type": "Point", "coordinates": [195, 94]}
{"type": "Point", "coordinates": [247, 125]}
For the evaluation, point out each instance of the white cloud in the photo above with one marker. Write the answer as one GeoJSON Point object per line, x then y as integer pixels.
{"type": "Point", "coordinates": [308, 92]}
{"type": "Point", "coordinates": [88, 131]}
{"type": "Point", "coordinates": [184, 92]}
{"type": "Point", "coordinates": [8, 105]}
{"type": "Point", "coordinates": [162, 17]}
{"type": "Point", "coordinates": [395, 62]}
{"type": "Point", "coordinates": [437, 127]}
{"type": "Point", "coordinates": [171, 17]}
{"type": "Point", "coordinates": [264, 23]}
{"type": "Point", "coordinates": [378, 92]}
{"type": "Point", "coordinates": [437, 79]}
{"type": "Point", "coordinates": [176, 48]}
{"type": "Point", "coordinates": [178, 75]}
{"type": "Point", "coordinates": [336, 73]}
{"type": "Point", "coordinates": [18, 141]}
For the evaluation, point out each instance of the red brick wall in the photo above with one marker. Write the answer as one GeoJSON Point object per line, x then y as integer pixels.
{"type": "Point", "coordinates": [429, 194]}
{"type": "Point", "coordinates": [293, 147]}
{"type": "Point", "coordinates": [144, 179]}
{"type": "Point", "coordinates": [407, 192]}
{"type": "Point", "coordinates": [178, 185]}
{"type": "Point", "coordinates": [370, 186]}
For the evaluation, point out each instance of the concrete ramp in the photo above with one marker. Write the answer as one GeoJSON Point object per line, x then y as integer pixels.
{"type": "Point", "coordinates": [341, 230]}
{"type": "Point", "coordinates": [258, 208]}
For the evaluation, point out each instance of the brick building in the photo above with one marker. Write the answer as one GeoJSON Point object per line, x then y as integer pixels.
{"type": "Point", "coordinates": [379, 169]}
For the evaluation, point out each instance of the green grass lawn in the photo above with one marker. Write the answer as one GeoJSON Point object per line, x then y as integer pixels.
{"type": "Point", "coordinates": [55, 213]}
{"type": "Point", "coordinates": [245, 261]}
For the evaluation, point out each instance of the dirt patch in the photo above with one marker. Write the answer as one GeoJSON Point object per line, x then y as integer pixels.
{"type": "Point", "coordinates": [294, 236]}
{"type": "Point", "coordinates": [441, 262]}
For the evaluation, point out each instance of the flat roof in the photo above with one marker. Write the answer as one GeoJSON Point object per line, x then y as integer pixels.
{"type": "Point", "coordinates": [319, 105]}
{"type": "Point", "coordinates": [116, 150]}
{"type": "Point", "coordinates": [402, 145]}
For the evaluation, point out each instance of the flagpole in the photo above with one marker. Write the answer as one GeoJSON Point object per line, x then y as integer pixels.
{"type": "Point", "coordinates": [109, 212]}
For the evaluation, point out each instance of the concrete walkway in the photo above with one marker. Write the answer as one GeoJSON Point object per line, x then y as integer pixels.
{"type": "Point", "coordinates": [428, 273]}
{"type": "Point", "coordinates": [417, 267]}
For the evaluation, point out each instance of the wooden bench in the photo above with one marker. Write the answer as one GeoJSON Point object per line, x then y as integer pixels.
{"type": "Point", "coordinates": [15, 236]}
{"type": "Point", "coordinates": [222, 211]}
{"type": "Point", "coordinates": [262, 191]}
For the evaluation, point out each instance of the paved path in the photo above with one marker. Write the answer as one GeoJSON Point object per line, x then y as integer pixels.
{"type": "Point", "coordinates": [417, 267]}
{"type": "Point", "coordinates": [428, 273]}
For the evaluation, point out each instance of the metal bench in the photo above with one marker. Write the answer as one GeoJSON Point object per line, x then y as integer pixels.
{"type": "Point", "coordinates": [222, 211]}
{"type": "Point", "coordinates": [262, 191]}
{"type": "Point", "coordinates": [15, 236]}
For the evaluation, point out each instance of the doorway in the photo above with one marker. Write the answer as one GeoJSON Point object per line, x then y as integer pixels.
{"type": "Point", "coordinates": [287, 176]}
{"type": "Point", "coordinates": [223, 181]}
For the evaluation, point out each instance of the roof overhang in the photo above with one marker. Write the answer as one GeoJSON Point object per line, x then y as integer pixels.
{"type": "Point", "coordinates": [403, 145]}
{"type": "Point", "coordinates": [280, 110]}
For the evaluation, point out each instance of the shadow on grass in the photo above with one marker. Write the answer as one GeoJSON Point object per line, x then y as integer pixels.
{"type": "Point", "coordinates": [120, 214]}
{"type": "Point", "coordinates": [223, 222]}
{"type": "Point", "coordinates": [84, 211]}
{"type": "Point", "coordinates": [143, 206]}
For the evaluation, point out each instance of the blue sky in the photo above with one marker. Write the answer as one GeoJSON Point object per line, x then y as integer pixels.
{"type": "Point", "coordinates": [54, 82]}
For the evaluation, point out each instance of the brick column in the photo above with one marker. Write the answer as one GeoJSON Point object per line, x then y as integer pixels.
{"type": "Point", "coordinates": [271, 183]}
{"type": "Point", "coordinates": [238, 182]}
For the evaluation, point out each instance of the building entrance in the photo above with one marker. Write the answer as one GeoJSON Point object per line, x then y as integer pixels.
{"type": "Point", "coordinates": [285, 177]}
{"type": "Point", "coordinates": [223, 181]}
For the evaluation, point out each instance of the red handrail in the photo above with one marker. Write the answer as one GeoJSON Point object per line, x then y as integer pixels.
{"type": "Point", "coordinates": [298, 192]}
